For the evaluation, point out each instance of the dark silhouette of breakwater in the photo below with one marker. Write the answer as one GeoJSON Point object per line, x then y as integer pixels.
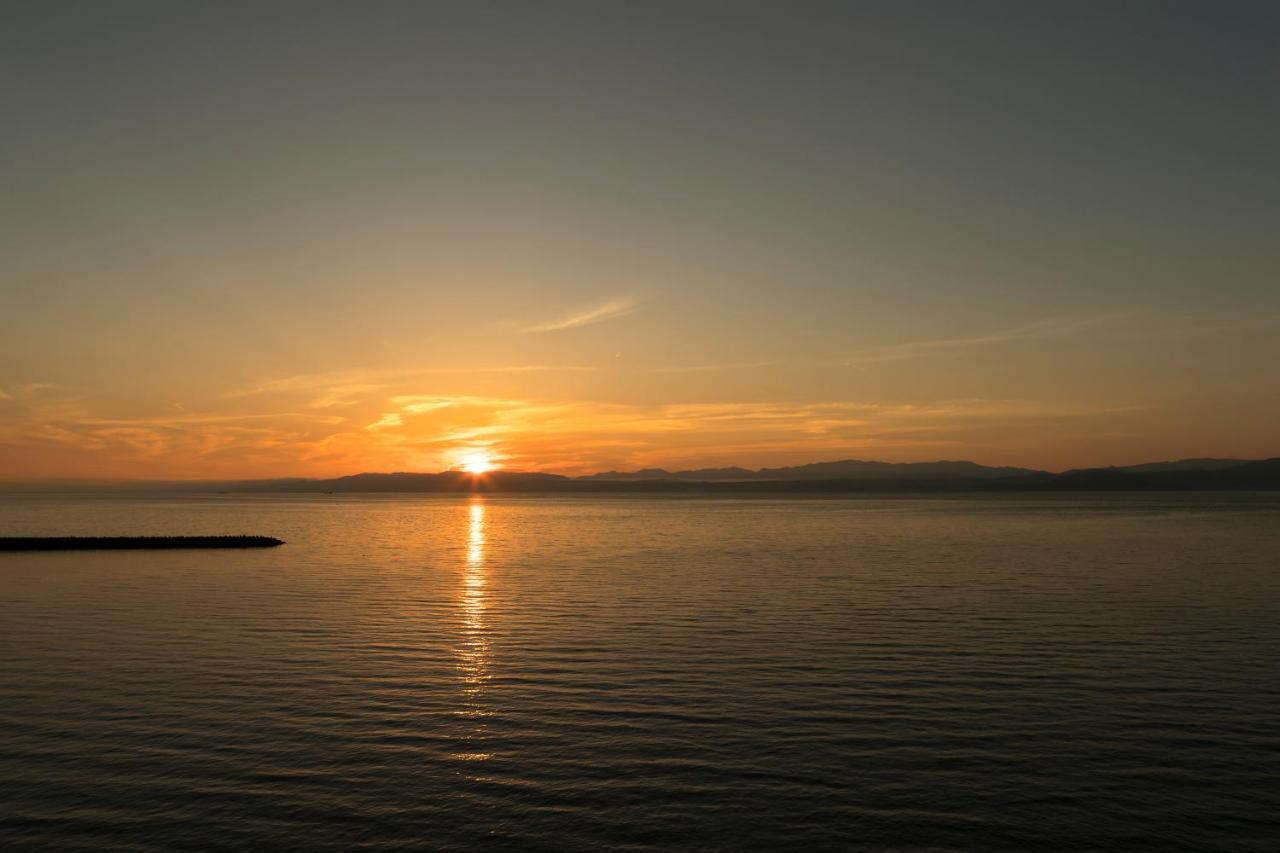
{"type": "Point", "coordinates": [99, 543]}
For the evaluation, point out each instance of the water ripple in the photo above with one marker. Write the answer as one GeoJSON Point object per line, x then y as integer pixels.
{"type": "Point", "coordinates": [1060, 673]}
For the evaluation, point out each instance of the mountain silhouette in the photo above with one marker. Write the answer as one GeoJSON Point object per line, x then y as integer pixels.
{"type": "Point", "coordinates": [850, 476]}
{"type": "Point", "coordinates": [844, 476]}
{"type": "Point", "coordinates": [1178, 465]}
{"type": "Point", "coordinates": [845, 469]}
{"type": "Point", "coordinates": [1161, 476]}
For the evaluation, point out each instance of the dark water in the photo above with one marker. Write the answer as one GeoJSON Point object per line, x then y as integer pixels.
{"type": "Point", "coordinates": [1061, 673]}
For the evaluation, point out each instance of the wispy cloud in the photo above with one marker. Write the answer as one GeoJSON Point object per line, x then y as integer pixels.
{"type": "Point", "coordinates": [339, 385]}
{"type": "Point", "coordinates": [712, 368]}
{"type": "Point", "coordinates": [199, 419]}
{"type": "Point", "coordinates": [393, 427]}
{"type": "Point", "coordinates": [586, 317]}
{"type": "Point", "coordinates": [1046, 328]}
{"type": "Point", "coordinates": [28, 389]}
{"type": "Point", "coordinates": [584, 436]}
{"type": "Point", "coordinates": [1196, 326]}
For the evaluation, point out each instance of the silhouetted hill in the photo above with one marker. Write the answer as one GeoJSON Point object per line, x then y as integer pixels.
{"type": "Point", "coordinates": [846, 469]}
{"type": "Point", "coordinates": [710, 474]}
{"type": "Point", "coordinates": [1179, 465]}
{"type": "Point", "coordinates": [857, 469]}
{"type": "Point", "coordinates": [910, 477]}
{"type": "Point", "coordinates": [1263, 475]}
{"type": "Point", "coordinates": [825, 477]}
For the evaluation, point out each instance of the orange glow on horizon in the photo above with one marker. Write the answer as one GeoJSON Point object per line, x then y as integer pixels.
{"type": "Point", "coordinates": [333, 426]}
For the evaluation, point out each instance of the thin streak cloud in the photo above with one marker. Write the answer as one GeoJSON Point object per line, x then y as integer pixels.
{"type": "Point", "coordinates": [710, 368]}
{"type": "Point", "coordinates": [1046, 328]}
{"type": "Point", "coordinates": [588, 317]}
{"type": "Point", "coordinates": [372, 380]}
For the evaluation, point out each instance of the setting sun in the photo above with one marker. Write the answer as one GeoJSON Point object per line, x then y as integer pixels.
{"type": "Point", "coordinates": [476, 462]}
{"type": "Point", "coordinates": [848, 425]}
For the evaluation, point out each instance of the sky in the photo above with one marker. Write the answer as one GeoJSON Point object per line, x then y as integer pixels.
{"type": "Point", "coordinates": [247, 240]}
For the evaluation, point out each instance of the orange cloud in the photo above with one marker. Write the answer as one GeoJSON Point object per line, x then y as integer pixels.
{"type": "Point", "coordinates": [385, 423]}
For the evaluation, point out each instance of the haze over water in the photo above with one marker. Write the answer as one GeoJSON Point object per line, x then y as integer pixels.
{"type": "Point", "coordinates": [1054, 673]}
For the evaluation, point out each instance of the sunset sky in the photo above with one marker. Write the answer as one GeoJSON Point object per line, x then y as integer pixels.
{"type": "Point", "coordinates": [302, 239]}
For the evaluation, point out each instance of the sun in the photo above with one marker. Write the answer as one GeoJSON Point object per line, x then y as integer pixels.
{"type": "Point", "coordinates": [476, 462]}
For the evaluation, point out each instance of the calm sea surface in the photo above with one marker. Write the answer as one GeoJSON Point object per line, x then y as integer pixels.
{"type": "Point", "coordinates": [1023, 673]}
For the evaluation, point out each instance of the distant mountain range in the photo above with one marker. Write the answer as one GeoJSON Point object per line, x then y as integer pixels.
{"type": "Point", "coordinates": [850, 475]}
{"type": "Point", "coordinates": [1198, 474]}
{"type": "Point", "coordinates": [847, 469]}
{"type": "Point", "coordinates": [1180, 465]}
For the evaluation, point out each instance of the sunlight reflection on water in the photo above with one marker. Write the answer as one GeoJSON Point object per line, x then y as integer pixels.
{"type": "Point", "coordinates": [475, 672]}
{"type": "Point", "coordinates": [474, 651]}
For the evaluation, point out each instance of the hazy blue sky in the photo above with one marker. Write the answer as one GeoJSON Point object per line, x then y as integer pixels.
{"type": "Point", "coordinates": [273, 238]}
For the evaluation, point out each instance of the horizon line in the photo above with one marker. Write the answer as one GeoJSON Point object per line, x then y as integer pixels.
{"type": "Point", "coordinates": [673, 471]}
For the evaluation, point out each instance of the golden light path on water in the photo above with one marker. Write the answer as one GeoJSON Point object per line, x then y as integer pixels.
{"type": "Point", "coordinates": [427, 671]}
{"type": "Point", "coordinates": [474, 652]}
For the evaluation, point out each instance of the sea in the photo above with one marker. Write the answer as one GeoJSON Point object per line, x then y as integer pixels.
{"type": "Point", "coordinates": [1060, 672]}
